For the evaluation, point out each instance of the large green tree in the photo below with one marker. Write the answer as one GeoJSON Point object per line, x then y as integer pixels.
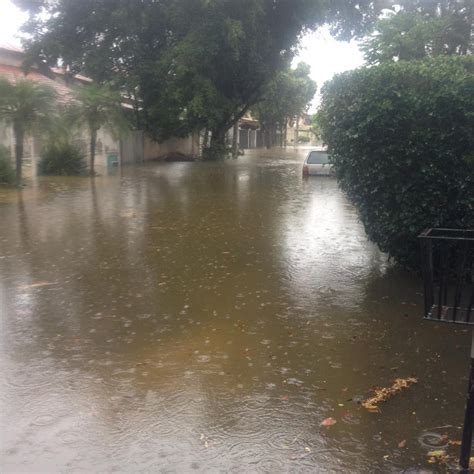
{"type": "Point", "coordinates": [190, 64]}
{"type": "Point", "coordinates": [287, 96]}
{"type": "Point", "coordinates": [25, 105]}
{"type": "Point", "coordinates": [422, 28]}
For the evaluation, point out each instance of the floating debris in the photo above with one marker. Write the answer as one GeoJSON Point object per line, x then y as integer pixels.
{"type": "Point", "coordinates": [328, 422]}
{"type": "Point", "coordinates": [381, 395]}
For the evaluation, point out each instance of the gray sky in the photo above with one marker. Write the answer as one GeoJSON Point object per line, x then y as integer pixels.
{"type": "Point", "coordinates": [324, 54]}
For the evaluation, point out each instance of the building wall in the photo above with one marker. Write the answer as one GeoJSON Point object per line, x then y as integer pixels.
{"type": "Point", "coordinates": [10, 67]}
{"type": "Point", "coordinates": [188, 146]}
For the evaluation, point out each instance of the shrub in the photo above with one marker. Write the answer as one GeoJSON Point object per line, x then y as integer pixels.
{"type": "Point", "coordinates": [7, 174]}
{"type": "Point", "coordinates": [401, 138]}
{"type": "Point", "coordinates": [62, 159]}
{"type": "Point", "coordinates": [304, 139]}
{"type": "Point", "coordinates": [216, 152]}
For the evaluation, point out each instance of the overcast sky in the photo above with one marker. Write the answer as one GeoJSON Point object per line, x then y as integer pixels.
{"type": "Point", "coordinates": [325, 55]}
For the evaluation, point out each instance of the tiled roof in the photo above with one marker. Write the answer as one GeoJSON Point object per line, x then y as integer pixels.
{"type": "Point", "coordinates": [13, 74]}
{"type": "Point", "coordinates": [10, 47]}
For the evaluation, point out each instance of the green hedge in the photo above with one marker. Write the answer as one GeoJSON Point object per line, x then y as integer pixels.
{"type": "Point", "coordinates": [401, 137]}
{"type": "Point", "coordinates": [62, 159]}
{"type": "Point", "coordinates": [7, 174]}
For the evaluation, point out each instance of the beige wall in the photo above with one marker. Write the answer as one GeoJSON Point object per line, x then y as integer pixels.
{"type": "Point", "coordinates": [105, 141]}
{"type": "Point", "coordinates": [188, 146]}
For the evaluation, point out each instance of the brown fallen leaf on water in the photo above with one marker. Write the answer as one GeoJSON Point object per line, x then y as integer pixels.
{"type": "Point", "coordinates": [328, 422]}
{"type": "Point", "coordinates": [402, 444]}
{"type": "Point", "coordinates": [383, 394]}
{"type": "Point", "coordinates": [454, 443]}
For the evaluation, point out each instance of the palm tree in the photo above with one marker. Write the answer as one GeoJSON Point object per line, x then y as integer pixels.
{"type": "Point", "coordinates": [25, 105]}
{"type": "Point", "coordinates": [95, 107]}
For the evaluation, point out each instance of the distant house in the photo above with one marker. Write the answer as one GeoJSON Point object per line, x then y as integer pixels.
{"type": "Point", "coordinates": [299, 130]}
{"type": "Point", "coordinates": [11, 60]}
{"type": "Point", "coordinates": [132, 148]}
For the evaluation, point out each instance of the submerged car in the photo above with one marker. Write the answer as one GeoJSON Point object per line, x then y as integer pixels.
{"type": "Point", "coordinates": [317, 163]}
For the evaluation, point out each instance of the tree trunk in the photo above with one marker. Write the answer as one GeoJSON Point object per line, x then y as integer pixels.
{"type": "Point", "coordinates": [235, 141]}
{"type": "Point", "coordinates": [217, 149]}
{"type": "Point", "coordinates": [268, 137]}
{"type": "Point", "coordinates": [19, 143]}
{"type": "Point", "coordinates": [93, 145]}
{"type": "Point", "coordinates": [285, 136]}
{"type": "Point", "coordinates": [297, 130]}
{"type": "Point", "coordinates": [205, 140]}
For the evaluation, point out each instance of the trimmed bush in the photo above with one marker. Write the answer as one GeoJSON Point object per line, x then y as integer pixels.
{"type": "Point", "coordinates": [401, 137]}
{"type": "Point", "coordinates": [7, 174]}
{"type": "Point", "coordinates": [62, 159]}
{"type": "Point", "coordinates": [304, 139]}
{"type": "Point", "coordinates": [216, 152]}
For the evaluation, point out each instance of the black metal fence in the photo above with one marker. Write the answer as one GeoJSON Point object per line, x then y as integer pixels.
{"type": "Point", "coordinates": [448, 273]}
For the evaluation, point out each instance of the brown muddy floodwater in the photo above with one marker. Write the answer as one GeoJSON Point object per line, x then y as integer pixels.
{"type": "Point", "coordinates": [207, 318]}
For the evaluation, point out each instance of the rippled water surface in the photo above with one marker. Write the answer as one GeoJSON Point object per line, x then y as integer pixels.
{"type": "Point", "coordinates": [207, 318]}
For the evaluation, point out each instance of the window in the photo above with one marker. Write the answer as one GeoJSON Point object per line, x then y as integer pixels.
{"type": "Point", "coordinates": [318, 158]}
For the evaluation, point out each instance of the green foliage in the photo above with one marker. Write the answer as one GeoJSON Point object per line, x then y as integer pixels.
{"type": "Point", "coordinates": [315, 126]}
{"type": "Point", "coordinates": [25, 105]}
{"type": "Point", "coordinates": [303, 139]}
{"type": "Point", "coordinates": [62, 159]}
{"type": "Point", "coordinates": [7, 174]}
{"type": "Point", "coordinates": [97, 107]}
{"type": "Point", "coordinates": [187, 65]}
{"type": "Point", "coordinates": [285, 97]}
{"type": "Point", "coordinates": [217, 152]}
{"type": "Point", "coordinates": [421, 28]}
{"type": "Point", "coordinates": [401, 137]}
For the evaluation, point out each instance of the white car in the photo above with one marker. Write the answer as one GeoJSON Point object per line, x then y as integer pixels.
{"type": "Point", "coordinates": [317, 163]}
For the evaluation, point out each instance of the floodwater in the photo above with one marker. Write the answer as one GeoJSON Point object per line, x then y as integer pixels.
{"type": "Point", "coordinates": [207, 318]}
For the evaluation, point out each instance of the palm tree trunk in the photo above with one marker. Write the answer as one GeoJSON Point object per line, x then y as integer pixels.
{"type": "Point", "coordinates": [93, 144]}
{"type": "Point", "coordinates": [19, 141]}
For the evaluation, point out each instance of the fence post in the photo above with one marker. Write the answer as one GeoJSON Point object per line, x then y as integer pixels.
{"type": "Point", "coordinates": [468, 416]}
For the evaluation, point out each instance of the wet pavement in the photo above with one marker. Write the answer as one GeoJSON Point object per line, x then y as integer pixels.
{"type": "Point", "coordinates": [207, 317]}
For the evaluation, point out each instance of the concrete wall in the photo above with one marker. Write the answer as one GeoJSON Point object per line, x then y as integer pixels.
{"type": "Point", "coordinates": [187, 146]}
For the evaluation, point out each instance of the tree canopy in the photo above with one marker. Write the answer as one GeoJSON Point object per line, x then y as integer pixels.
{"type": "Point", "coordinates": [422, 28]}
{"type": "Point", "coordinates": [285, 97]}
{"type": "Point", "coordinates": [189, 64]}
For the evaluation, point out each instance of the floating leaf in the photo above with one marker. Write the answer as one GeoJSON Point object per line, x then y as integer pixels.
{"type": "Point", "coordinates": [438, 456]}
{"type": "Point", "coordinates": [328, 422]}
{"type": "Point", "coordinates": [383, 394]}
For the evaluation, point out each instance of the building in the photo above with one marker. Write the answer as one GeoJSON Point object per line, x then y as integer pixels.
{"type": "Point", "coordinates": [11, 60]}
{"type": "Point", "coordinates": [133, 147]}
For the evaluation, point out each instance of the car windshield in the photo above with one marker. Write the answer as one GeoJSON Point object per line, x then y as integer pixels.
{"type": "Point", "coordinates": [318, 158]}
